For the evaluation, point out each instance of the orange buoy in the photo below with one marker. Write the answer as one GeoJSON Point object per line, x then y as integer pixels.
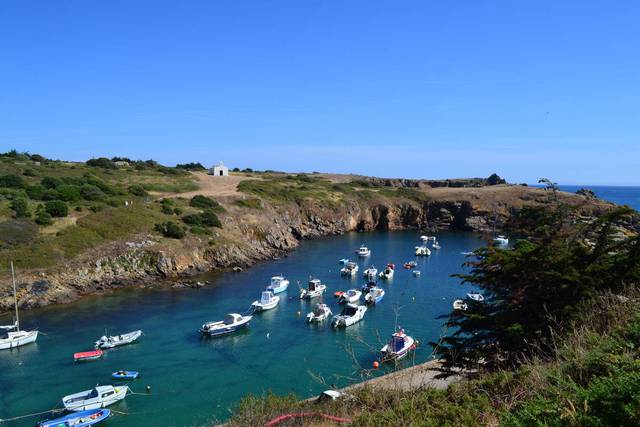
{"type": "Point", "coordinates": [376, 364]}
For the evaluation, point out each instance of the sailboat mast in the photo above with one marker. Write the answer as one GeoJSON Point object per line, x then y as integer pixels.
{"type": "Point", "coordinates": [15, 296]}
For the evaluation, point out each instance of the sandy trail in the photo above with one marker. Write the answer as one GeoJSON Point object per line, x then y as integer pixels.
{"type": "Point", "coordinates": [213, 186]}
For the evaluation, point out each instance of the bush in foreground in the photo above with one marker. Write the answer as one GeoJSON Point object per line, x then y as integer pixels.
{"type": "Point", "coordinates": [170, 229]}
{"type": "Point", "coordinates": [56, 208]}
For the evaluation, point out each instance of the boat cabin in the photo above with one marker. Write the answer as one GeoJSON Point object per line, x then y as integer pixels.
{"type": "Point", "coordinates": [266, 297]}
{"type": "Point", "coordinates": [349, 310]}
{"type": "Point", "coordinates": [232, 318]}
{"type": "Point", "coordinates": [276, 280]}
{"type": "Point", "coordinates": [313, 284]}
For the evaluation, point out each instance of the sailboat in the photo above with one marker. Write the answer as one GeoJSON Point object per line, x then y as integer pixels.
{"type": "Point", "coordinates": [16, 338]}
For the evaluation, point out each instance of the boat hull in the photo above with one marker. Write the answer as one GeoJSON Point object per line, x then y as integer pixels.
{"type": "Point", "coordinates": [277, 289]}
{"type": "Point", "coordinates": [74, 405]}
{"type": "Point", "coordinates": [87, 355]}
{"type": "Point", "coordinates": [125, 375]}
{"type": "Point", "coordinates": [18, 340]}
{"type": "Point", "coordinates": [120, 340]}
{"type": "Point", "coordinates": [78, 419]}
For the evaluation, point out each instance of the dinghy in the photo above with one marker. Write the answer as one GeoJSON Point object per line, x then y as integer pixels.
{"type": "Point", "coordinates": [320, 313]}
{"type": "Point", "coordinates": [371, 272]}
{"type": "Point", "coordinates": [350, 314]}
{"type": "Point", "coordinates": [410, 264]}
{"type": "Point", "coordinates": [374, 296]}
{"type": "Point", "coordinates": [87, 355]}
{"type": "Point", "coordinates": [501, 240]}
{"type": "Point", "coordinates": [96, 398]}
{"type": "Point", "coordinates": [343, 261]}
{"type": "Point", "coordinates": [476, 296]}
{"type": "Point", "coordinates": [387, 273]}
{"type": "Point", "coordinates": [351, 269]}
{"type": "Point", "coordinates": [424, 238]}
{"type": "Point", "coordinates": [351, 296]}
{"type": "Point", "coordinates": [278, 284]}
{"type": "Point", "coordinates": [267, 301]}
{"type": "Point", "coordinates": [231, 323]}
{"type": "Point", "coordinates": [422, 251]}
{"type": "Point", "coordinates": [363, 251]}
{"type": "Point", "coordinates": [125, 375]}
{"type": "Point", "coordinates": [315, 288]}
{"type": "Point", "coordinates": [78, 419]}
{"type": "Point", "coordinates": [398, 346]}
{"type": "Point", "coordinates": [18, 337]}
{"type": "Point", "coordinates": [460, 305]}
{"type": "Point", "coordinates": [115, 341]}
{"type": "Point", "coordinates": [435, 245]}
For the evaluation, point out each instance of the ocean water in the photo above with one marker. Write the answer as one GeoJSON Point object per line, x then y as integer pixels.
{"type": "Point", "coordinates": [621, 195]}
{"type": "Point", "coordinates": [196, 380]}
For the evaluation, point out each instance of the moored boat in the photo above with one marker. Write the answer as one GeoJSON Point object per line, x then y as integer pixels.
{"type": "Point", "coordinates": [349, 315]}
{"type": "Point", "coordinates": [320, 313]}
{"type": "Point", "coordinates": [416, 273]}
{"type": "Point", "coordinates": [87, 355]}
{"type": "Point", "coordinates": [410, 264]}
{"type": "Point", "coordinates": [18, 337]}
{"type": "Point", "coordinates": [501, 240]}
{"type": "Point", "coordinates": [231, 323]}
{"type": "Point", "coordinates": [351, 269]}
{"type": "Point", "coordinates": [125, 375]}
{"type": "Point", "coordinates": [117, 340]}
{"type": "Point", "coordinates": [351, 296]}
{"type": "Point", "coordinates": [315, 288]}
{"type": "Point", "coordinates": [374, 296]}
{"type": "Point", "coordinates": [267, 301]}
{"type": "Point", "coordinates": [365, 288]}
{"type": "Point", "coordinates": [476, 296]}
{"type": "Point", "coordinates": [422, 251]}
{"type": "Point", "coordinates": [398, 346]}
{"type": "Point", "coordinates": [95, 398]}
{"type": "Point", "coordinates": [278, 284]}
{"type": "Point", "coordinates": [78, 419]}
{"type": "Point", "coordinates": [460, 305]}
{"type": "Point", "coordinates": [387, 273]}
{"type": "Point", "coordinates": [364, 251]}
{"type": "Point", "coordinates": [371, 272]}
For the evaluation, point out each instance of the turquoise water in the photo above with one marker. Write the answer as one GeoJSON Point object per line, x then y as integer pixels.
{"type": "Point", "coordinates": [196, 380]}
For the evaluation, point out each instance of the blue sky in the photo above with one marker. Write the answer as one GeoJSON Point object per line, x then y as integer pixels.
{"type": "Point", "coordinates": [429, 89]}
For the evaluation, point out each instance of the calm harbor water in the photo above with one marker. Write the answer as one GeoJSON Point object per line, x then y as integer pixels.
{"type": "Point", "coordinates": [196, 380]}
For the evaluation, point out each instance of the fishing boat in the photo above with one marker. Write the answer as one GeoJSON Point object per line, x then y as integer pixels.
{"type": "Point", "coordinates": [476, 296]}
{"type": "Point", "coordinates": [95, 398]}
{"type": "Point", "coordinates": [315, 288]}
{"type": "Point", "coordinates": [350, 314]}
{"type": "Point", "coordinates": [87, 355]}
{"type": "Point", "coordinates": [231, 323]}
{"type": "Point", "coordinates": [320, 313]}
{"type": "Point", "coordinates": [410, 264]}
{"type": "Point", "coordinates": [125, 375]}
{"type": "Point", "coordinates": [501, 240]}
{"type": "Point", "coordinates": [460, 305]}
{"type": "Point", "coordinates": [17, 337]}
{"type": "Point", "coordinates": [351, 296]}
{"type": "Point", "coordinates": [387, 273]}
{"type": "Point", "coordinates": [343, 261]}
{"type": "Point", "coordinates": [371, 272]}
{"type": "Point", "coordinates": [374, 296]}
{"type": "Point", "coordinates": [398, 346]}
{"type": "Point", "coordinates": [267, 301]}
{"type": "Point", "coordinates": [115, 341]}
{"type": "Point", "coordinates": [422, 251]}
{"type": "Point", "coordinates": [365, 288]}
{"type": "Point", "coordinates": [364, 251]}
{"type": "Point", "coordinates": [278, 284]}
{"type": "Point", "coordinates": [351, 269]}
{"type": "Point", "coordinates": [78, 419]}
{"type": "Point", "coordinates": [424, 238]}
{"type": "Point", "coordinates": [416, 273]}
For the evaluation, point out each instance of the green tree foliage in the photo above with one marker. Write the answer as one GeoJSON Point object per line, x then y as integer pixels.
{"type": "Point", "coordinates": [191, 166]}
{"type": "Point", "coordinates": [537, 284]}
{"type": "Point", "coordinates": [91, 192]}
{"type": "Point", "coordinates": [138, 190]}
{"type": "Point", "coordinates": [207, 218]}
{"type": "Point", "coordinates": [50, 182]}
{"type": "Point", "coordinates": [20, 208]}
{"type": "Point", "coordinates": [35, 192]}
{"type": "Point", "coordinates": [101, 162]}
{"type": "Point", "coordinates": [56, 208]}
{"type": "Point", "coordinates": [43, 217]}
{"type": "Point", "coordinates": [494, 179]}
{"type": "Point", "coordinates": [203, 202]}
{"type": "Point", "coordinates": [12, 181]}
{"type": "Point", "coordinates": [170, 229]}
{"type": "Point", "coordinates": [69, 193]}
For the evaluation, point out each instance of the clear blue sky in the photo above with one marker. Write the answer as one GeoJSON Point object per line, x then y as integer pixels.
{"type": "Point", "coordinates": [390, 88]}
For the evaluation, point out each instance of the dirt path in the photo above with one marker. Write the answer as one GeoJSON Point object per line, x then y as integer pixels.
{"type": "Point", "coordinates": [213, 186]}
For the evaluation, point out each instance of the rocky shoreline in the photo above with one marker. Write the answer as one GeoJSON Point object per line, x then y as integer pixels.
{"type": "Point", "coordinates": [249, 236]}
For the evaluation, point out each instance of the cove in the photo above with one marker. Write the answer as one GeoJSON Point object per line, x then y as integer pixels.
{"type": "Point", "coordinates": [196, 380]}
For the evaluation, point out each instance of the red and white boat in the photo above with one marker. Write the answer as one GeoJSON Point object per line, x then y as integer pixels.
{"type": "Point", "coordinates": [87, 355]}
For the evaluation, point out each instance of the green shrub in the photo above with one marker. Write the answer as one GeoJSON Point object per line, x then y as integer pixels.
{"type": "Point", "coordinates": [50, 194]}
{"type": "Point", "coordinates": [251, 203]}
{"type": "Point", "coordinates": [177, 211]}
{"type": "Point", "coordinates": [36, 192]}
{"type": "Point", "coordinates": [166, 209]}
{"type": "Point", "coordinates": [191, 166]}
{"type": "Point", "coordinates": [203, 231]}
{"type": "Point", "coordinates": [170, 229]}
{"type": "Point", "coordinates": [96, 208]}
{"type": "Point", "coordinates": [20, 208]}
{"type": "Point", "coordinates": [101, 162]}
{"type": "Point", "coordinates": [43, 217]}
{"type": "Point", "coordinates": [69, 193]}
{"type": "Point", "coordinates": [12, 181]}
{"type": "Point", "coordinates": [192, 219]}
{"type": "Point", "coordinates": [56, 208]}
{"type": "Point", "coordinates": [91, 192]}
{"type": "Point", "coordinates": [209, 218]}
{"type": "Point", "coordinates": [28, 172]}
{"type": "Point", "coordinates": [203, 202]}
{"type": "Point", "coordinates": [50, 182]}
{"type": "Point", "coordinates": [138, 190]}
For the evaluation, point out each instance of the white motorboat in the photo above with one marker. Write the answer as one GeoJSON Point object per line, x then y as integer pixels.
{"type": "Point", "coordinates": [16, 338]}
{"type": "Point", "coordinates": [436, 245]}
{"type": "Point", "coordinates": [364, 251]}
{"type": "Point", "coordinates": [351, 269]}
{"type": "Point", "coordinates": [320, 313]}
{"type": "Point", "coordinates": [350, 314]}
{"type": "Point", "coordinates": [476, 296]}
{"type": "Point", "coordinates": [117, 340]}
{"type": "Point", "coordinates": [398, 346]}
{"type": "Point", "coordinates": [371, 272]}
{"type": "Point", "coordinates": [267, 301]}
{"type": "Point", "coordinates": [96, 398]}
{"type": "Point", "coordinates": [387, 273]}
{"type": "Point", "coordinates": [417, 273]}
{"type": "Point", "coordinates": [501, 240]}
{"type": "Point", "coordinates": [422, 251]}
{"type": "Point", "coordinates": [315, 288]}
{"type": "Point", "coordinates": [460, 305]}
{"type": "Point", "coordinates": [374, 295]}
{"type": "Point", "coordinates": [278, 284]}
{"type": "Point", "coordinates": [351, 296]}
{"type": "Point", "coordinates": [424, 238]}
{"type": "Point", "coordinates": [231, 323]}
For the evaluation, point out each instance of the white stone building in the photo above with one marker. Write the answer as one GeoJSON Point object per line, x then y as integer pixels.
{"type": "Point", "coordinates": [219, 170]}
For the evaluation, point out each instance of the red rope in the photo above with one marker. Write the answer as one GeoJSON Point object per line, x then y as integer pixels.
{"type": "Point", "coordinates": [281, 418]}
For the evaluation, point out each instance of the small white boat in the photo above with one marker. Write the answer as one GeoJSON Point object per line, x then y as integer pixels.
{"type": "Point", "coordinates": [351, 269]}
{"type": "Point", "coordinates": [278, 284]}
{"type": "Point", "coordinates": [343, 261]}
{"type": "Point", "coordinates": [350, 314]}
{"type": "Point", "coordinates": [320, 313]}
{"type": "Point", "coordinates": [231, 323]}
{"type": "Point", "coordinates": [364, 251]}
{"type": "Point", "coordinates": [436, 245]}
{"type": "Point", "coordinates": [374, 295]}
{"type": "Point", "coordinates": [387, 273]}
{"type": "Point", "coordinates": [476, 296]}
{"type": "Point", "coordinates": [422, 251]}
{"type": "Point", "coordinates": [267, 301]}
{"type": "Point", "coordinates": [424, 238]}
{"type": "Point", "coordinates": [460, 305]}
{"type": "Point", "coordinates": [351, 296]}
{"type": "Point", "coordinates": [416, 273]}
{"type": "Point", "coordinates": [96, 398]}
{"type": "Point", "coordinates": [371, 272]}
{"type": "Point", "coordinates": [18, 337]}
{"type": "Point", "coordinates": [398, 346]}
{"type": "Point", "coordinates": [501, 240]}
{"type": "Point", "coordinates": [117, 340]}
{"type": "Point", "coordinates": [315, 288]}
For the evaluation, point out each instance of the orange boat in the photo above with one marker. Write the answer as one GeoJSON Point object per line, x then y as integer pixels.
{"type": "Point", "coordinates": [87, 355]}
{"type": "Point", "coordinates": [338, 294]}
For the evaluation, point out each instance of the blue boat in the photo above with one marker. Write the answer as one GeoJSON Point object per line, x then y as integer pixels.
{"type": "Point", "coordinates": [125, 375]}
{"type": "Point", "coordinates": [374, 296]}
{"type": "Point", "coordinates": [78, 419]}
{"type": "Point", "coordinates": [278, 284]}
